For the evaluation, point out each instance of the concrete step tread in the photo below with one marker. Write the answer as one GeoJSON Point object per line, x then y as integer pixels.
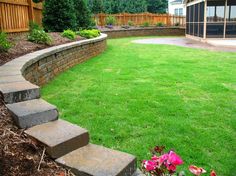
{"type": "Point", "coordinates": [11, 79]}
{"type": "Point", "coordinates": [60, 137]}
{"type": "Point", "coordinates": [32, 112]}
{"type": "Point", "coordinates": [18, 86]}
{"type": "Point", "coordinates": [30, 107]}
{"type": "Point", "coordinates": [19, 91]}
{"type": "Point", "coordinates": [99, 161]}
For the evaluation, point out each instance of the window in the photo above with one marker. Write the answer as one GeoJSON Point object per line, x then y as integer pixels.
{"type": "Point", "coordinates": [176, 11]}
{"type": "Point", "coordinates": [181, 12]}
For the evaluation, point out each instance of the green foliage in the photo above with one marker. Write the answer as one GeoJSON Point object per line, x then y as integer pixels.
{"type": "Point", "coordinates": [97, 6]}
{"type": "Point", "coordinates": [37, 1]}
{"type": "Point", "coordinates": [69, 34]}
{"type": "Point", "coordinates": [83, 15]}
{"type": "Point", "coordinates": [39, 36]}
{"type": "Point", "coordinates": [160, 24]}
{"type": "Point", "coordinates": [110, 20]}
{"type": "Point", "coordinates": [177, 24]}
{"type": "Point", "coordinates": [34, 26]}
{"type": "Point", "coordinates": [5, 45]}
{"type": "Point", "coordinates": [145, 24]}
{"type": "Point", "coordinates": [59, 15]}
{"type": "Point", "coordinates": [130, 23]}
{"type": "Point", "coordinates": [89, 33]}
{"type": "Point", "coordinates": [157, 6]}
{"type": "Point", "coordinates": [129, 6]}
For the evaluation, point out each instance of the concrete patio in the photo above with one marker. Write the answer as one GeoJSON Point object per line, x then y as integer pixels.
{"type": "Point", "coordinates": [212, 45]}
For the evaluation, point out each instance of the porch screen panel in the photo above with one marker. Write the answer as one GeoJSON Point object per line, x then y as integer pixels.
{"type": "Point", "coordinates": [195, 19]}
{"type": "Point", "coordinates": [215, 19]}
{"type": "Point", "coordinates": [231, 19]}
{"type": "Point", "coordinates": [187, 21]}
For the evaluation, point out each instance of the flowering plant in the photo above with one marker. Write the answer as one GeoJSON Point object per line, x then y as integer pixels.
{"type": "Point", "coordinates": [165, 164]}
{"type": "Point", "coordinates": [161, 163]}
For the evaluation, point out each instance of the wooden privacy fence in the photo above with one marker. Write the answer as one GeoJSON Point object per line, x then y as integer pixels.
{"type": "Point", "coordinates": [141, 18]}
{"type": "Point", "coordinates": [15, 15]}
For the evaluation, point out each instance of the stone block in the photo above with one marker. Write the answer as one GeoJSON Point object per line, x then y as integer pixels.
{"type": "Point", "coordinates": [99, 161]}
{"type": "Point", "coordinates": [30, 113]}
{"type": "Point", "coordinates": [60, 137]}
{"type": "Point", "coordinates": [19, 91]}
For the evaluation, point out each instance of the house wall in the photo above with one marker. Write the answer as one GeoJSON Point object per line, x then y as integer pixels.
{"type": "Point", "coordinates": [172, 6]}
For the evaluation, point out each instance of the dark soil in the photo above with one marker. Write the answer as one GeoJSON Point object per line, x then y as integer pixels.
{"type": "Point", "coordinates": [22, 46]}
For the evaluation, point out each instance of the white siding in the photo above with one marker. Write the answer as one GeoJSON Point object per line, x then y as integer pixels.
{"type": "Point", "coordinates": [175, 8]}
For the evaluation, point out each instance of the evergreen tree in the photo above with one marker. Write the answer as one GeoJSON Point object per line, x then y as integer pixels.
{"type": "Point", "coordinates": [83, 16]}
{"type": "Point", "coordinates": [157, 6]}
{"type": "Point", "coordinates": [97, 6]}
{"type": "Point", "coordinates": [59, 15]}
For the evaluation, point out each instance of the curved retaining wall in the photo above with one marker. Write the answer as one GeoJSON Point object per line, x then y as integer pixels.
{"type": "Point", "coordinates": [50, 62]}
{"type": "Point", "coordinates": [42, 66]}
{"type": "Point", "coordinates": [147, 31]}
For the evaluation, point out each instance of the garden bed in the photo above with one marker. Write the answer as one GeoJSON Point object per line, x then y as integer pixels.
{"type": "Point", "coordinates": [22, 46]}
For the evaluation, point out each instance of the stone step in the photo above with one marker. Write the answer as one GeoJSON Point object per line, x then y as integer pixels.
{"type": "Point", "coordinates": [60, 137]}
{"type": "Point", "coordinates": [19, 91]}
{"type": "Point", "coordinates": [94, 160]}
{"type": "Point", "coordinates": [32, 112]}
{"type": "Point", "coordinates": [11, 79]}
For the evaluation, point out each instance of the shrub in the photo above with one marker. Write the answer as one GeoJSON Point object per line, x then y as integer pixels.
{"type": "Point", "coordinates": [39, 36]}
{"type": "Point", "coordinates": [59, 15]}
{"type": "Point", "coordinates": [160, 24]}
{"type": "Point", "coordinates": [89, 33]}
{"type": "Point", "coordinates": [5, 45]}
{"type": "Point", "coordinates": [177, 24]}
{"type": "Point", "coordinates": [146, 24]}
{"type": "Point", "coordinates": [34, 26]}
{"type": "Point", "coordinates": [69, 34]}
{"type": "Point", "coordinates": [110, 20]}
{"type": "Point", "coordinates": [83, 16]}
{"type": "Point", "coordinates": [130, 23]}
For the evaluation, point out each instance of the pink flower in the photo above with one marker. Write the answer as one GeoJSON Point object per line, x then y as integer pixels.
{"type": "Point", "coordinates": [155, 159]}
{"type": "Point", "coordinates": [213, 173]}
{"type": "Point", "coordinates": [171, 168]}
{"type": "Point", "coordinates": [174, 159]}
{"type": "Point", "coordinates": [149, 165]}
{"type": "Point", "coordinates": [196, 170]}
{"type": "Point", "coordinates": [171, 158]}
{"type": "Point", "coordinates": [164, 158]}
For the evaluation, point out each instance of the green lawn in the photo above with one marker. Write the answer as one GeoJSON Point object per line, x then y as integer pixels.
{"type": "Point", "coordinates": [135, 96]}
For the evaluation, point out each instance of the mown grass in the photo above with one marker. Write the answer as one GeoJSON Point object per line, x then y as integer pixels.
{"type": "Point", "coordinates": [135, 96]}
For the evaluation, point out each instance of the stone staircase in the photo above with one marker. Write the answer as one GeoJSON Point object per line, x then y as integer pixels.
{"type": "Point", "coordinates": [67, 143]}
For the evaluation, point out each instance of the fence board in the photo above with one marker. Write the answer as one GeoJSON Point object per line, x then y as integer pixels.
{"type": "Point", "coordinates": [141, 18]}
{"type": "Point", "coordinates": [15, 15]}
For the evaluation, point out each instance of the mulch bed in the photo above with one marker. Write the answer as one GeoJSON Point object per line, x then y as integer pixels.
{"type": "Point", "coordinates": [22, 46]}
{"type": "Point", "coordinates": [19, 154]}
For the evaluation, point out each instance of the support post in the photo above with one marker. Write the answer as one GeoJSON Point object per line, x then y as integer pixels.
{"type": "Point", "coordinates": [205, 20]}
{"type": "Point", "coordinates": [31, 10]}
{"type": "Point", "coordinates": [226, 3]}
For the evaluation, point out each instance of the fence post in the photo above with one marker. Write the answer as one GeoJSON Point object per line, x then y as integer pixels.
{"type": "Point", "coordinates": [31, 10]}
